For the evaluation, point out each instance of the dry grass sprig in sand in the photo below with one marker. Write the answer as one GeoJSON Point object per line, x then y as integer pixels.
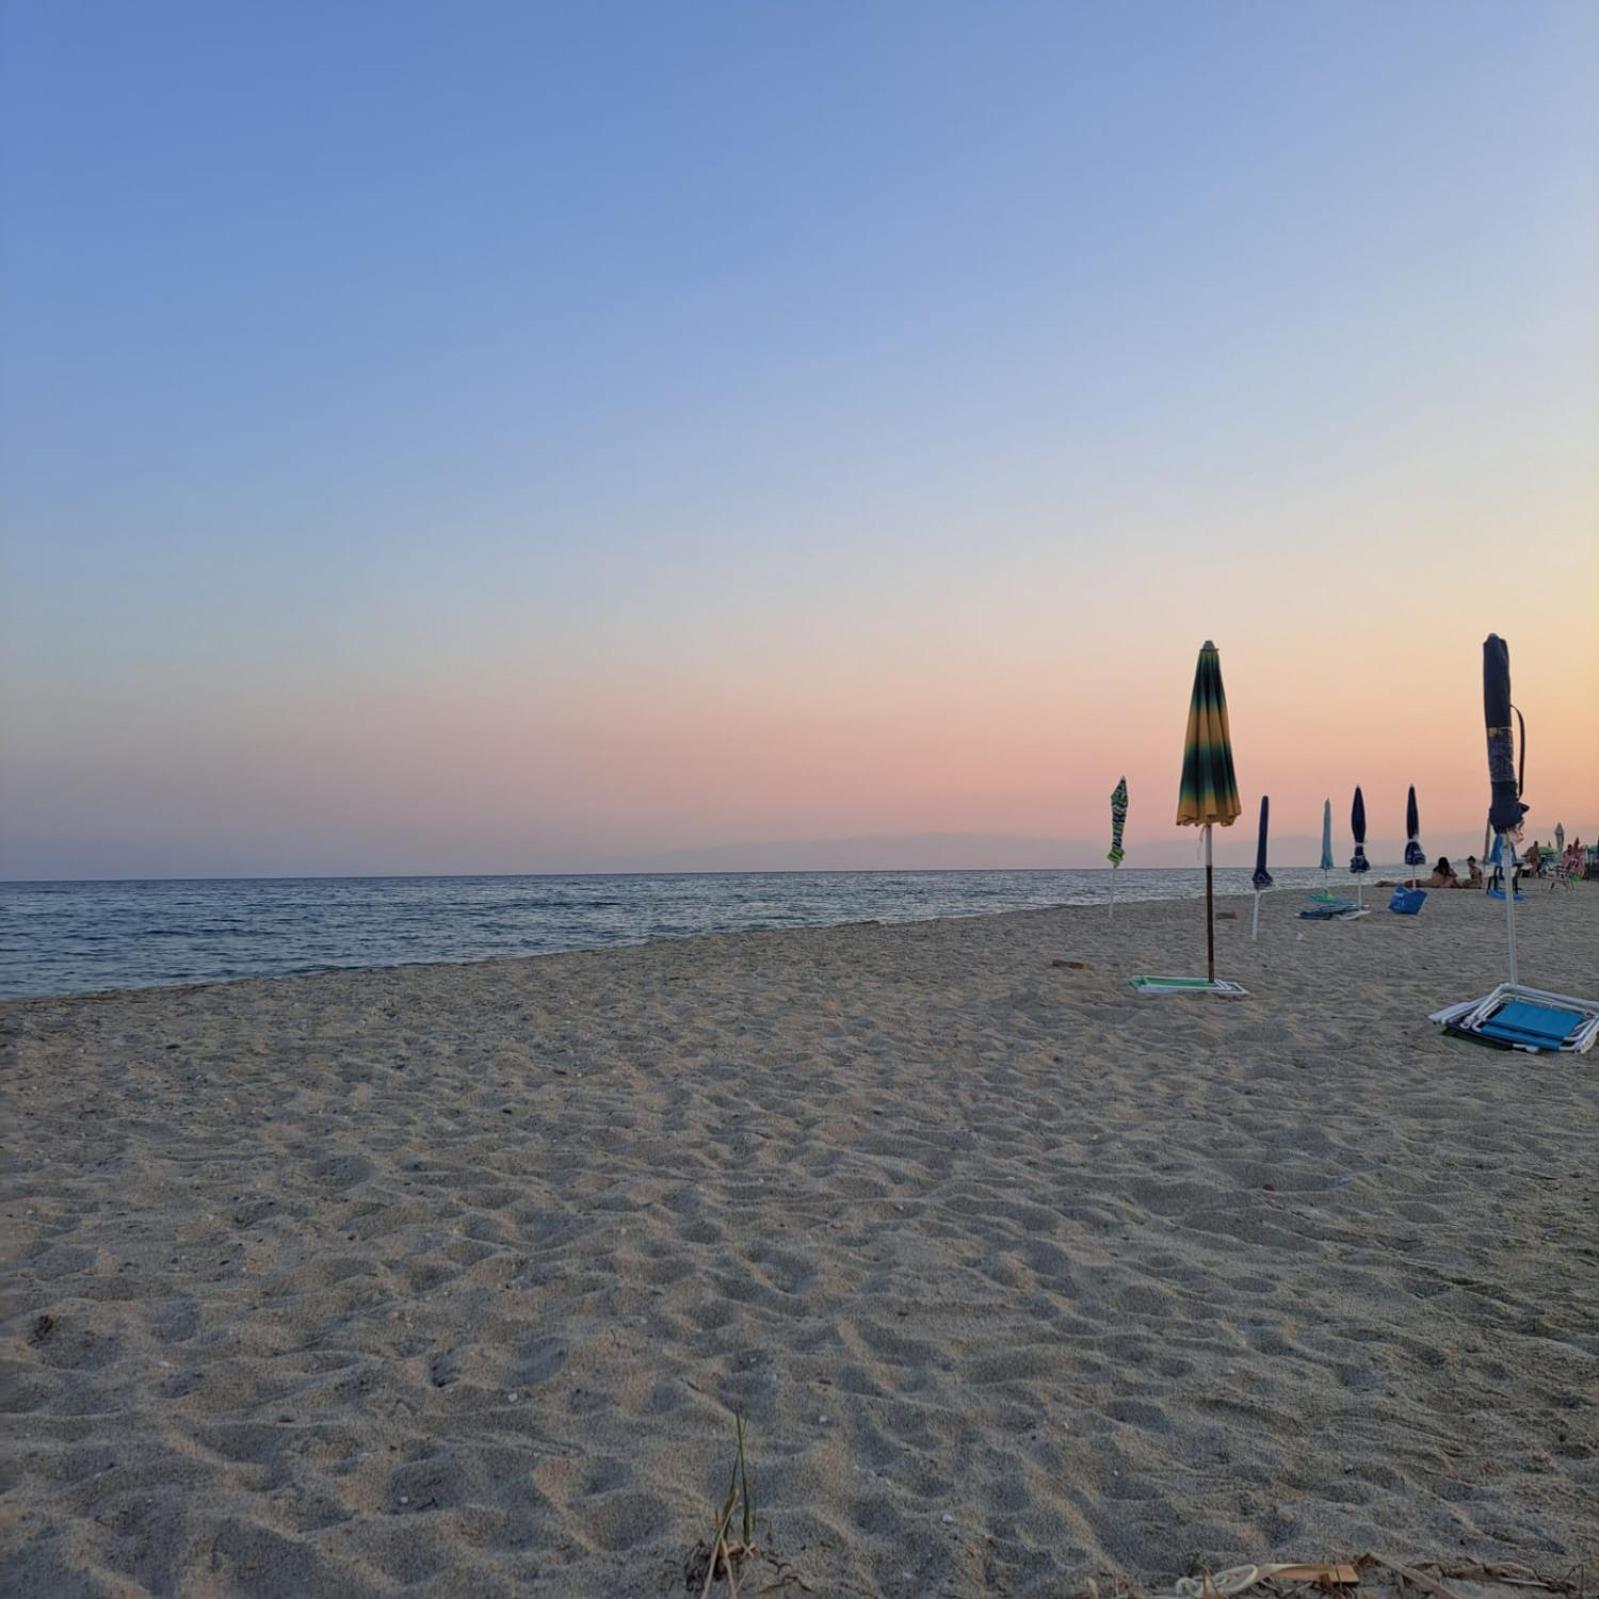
{"type": "Point", "coordinates": [745, 1567]}
{"type": "Point", "coordinates": [724, 1557]}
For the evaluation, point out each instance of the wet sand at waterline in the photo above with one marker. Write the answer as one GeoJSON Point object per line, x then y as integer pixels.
{"type": "Point", "coordinates": [448, 1280]}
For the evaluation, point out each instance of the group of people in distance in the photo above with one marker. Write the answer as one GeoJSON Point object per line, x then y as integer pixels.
{"type": "Point", "coordinates": [1532, 863]}
{"type": "Point", "coordinates": [1572, 860]}
{"type": "Point", "coordinates": [1445, 876]}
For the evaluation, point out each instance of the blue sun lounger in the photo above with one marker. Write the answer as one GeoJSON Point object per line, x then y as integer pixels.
{"type": "Point", "coordinates": [1514, 1017]}
{"type": "Point", "coordinates": [1531, 1026]}
{"type": "Point", "coordinates": [1332, 910]}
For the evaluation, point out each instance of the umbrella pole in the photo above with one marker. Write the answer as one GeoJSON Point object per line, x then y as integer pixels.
{"type": "Point", "coordinates": [1113, 872]}
{"type": "Point", "coordinates": [1210, 911]}
{"type": "Point", "coordinates": [1507, 856]}
{"type": "Point", "coordinates": [1254, 925]}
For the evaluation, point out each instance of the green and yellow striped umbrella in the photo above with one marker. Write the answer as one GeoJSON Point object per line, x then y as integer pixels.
{"type": "Point", "coordinates": [1210, 788]}
{"type": "Point", "coordinates": [1209, 792]}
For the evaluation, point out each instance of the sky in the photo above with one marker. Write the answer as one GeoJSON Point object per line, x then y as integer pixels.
{"type": "Point", "coordinates": [552, 437]}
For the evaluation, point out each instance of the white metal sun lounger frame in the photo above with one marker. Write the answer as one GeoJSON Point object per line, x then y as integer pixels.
{"type": "Point", "coordinates": [1473, 1011]}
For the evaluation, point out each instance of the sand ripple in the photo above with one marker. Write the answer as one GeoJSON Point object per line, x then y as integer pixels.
{"type": "Point", "coordinates": [445, 1281]}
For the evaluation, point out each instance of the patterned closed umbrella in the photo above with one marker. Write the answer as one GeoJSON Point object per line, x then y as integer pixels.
{"type": "Point", "coordinates": [1209, 793]}
{"type": "Point", "coordinates": [1118, 821]}
{"type": "Point", "coordinates": [1415, 855]}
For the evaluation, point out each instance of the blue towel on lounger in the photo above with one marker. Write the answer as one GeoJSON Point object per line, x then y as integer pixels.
{"type": "Point", "coordinates": [1532, 1026]}
{"type": "Point", "coordinates": [1327, 910]}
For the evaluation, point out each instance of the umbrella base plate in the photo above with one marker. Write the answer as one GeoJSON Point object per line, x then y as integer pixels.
{"type": "Point", "coordinates": [1186, 985]}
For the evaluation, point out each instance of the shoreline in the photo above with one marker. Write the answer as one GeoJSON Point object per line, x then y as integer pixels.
{"type": "Point", "coordinates": [454, 1274]}
{"type": "Point", "coordinates": [1089, 907]}
{"type": "Point", "coordinates": [660, 941]}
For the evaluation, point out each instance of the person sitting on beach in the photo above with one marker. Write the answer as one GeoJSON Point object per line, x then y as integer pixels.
{"type": "Point", "coordinates": [1532, 860]}
{"type": "Point", "coordinates": [1473, 874]}
{"type": "Point", "coordinates": [1443, 875]}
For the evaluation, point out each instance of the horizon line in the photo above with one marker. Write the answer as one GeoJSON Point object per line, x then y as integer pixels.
{"type": "Point", "coordinates": [728, 871]}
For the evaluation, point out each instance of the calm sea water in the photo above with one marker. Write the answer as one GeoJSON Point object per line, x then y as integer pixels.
{"type": "Point", "coordinates": [70, 938]}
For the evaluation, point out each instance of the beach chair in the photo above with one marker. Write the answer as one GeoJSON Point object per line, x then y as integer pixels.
{"type": "Point", "coordinates": [1530, 1019]}
{"type": "Point", "coordinates": [1407, 901]}
{"type": "Point", "coordinates": [1331, 910]}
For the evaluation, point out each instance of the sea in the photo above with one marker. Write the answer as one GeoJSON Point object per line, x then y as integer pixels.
{"type": "Point", "coordinates": [85, 937]}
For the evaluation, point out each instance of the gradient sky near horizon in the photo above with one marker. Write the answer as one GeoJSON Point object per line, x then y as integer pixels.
{"type": "Point", "coordinates": [542, 437]}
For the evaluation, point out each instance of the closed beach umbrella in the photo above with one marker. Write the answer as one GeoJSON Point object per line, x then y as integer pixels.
{"type": "Point", "coordinates": [1261, 878]}
{"type": "Point", "coordinates": [1326, 841]}
{"type": "Point", "coordinates": [1505, 809]}
{"type": "Point", "coordinates": [1560, 838]}
{"type": "Point", "coordinates": [1357, 825]}
{"type": "Point", "coordinates": [1209, 792]}
{"type": "Point", "coordinates": [1415, 855]}
{"type": "Point", "coordinates": [1118, 821]}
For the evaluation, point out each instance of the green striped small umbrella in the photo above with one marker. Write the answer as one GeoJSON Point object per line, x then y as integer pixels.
{"type": "Point", "coordinates": [1209, 792]}
{"type": "Point", "coordinates": [1118, 821]}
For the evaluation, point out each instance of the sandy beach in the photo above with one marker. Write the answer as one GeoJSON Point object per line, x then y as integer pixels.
{"type": "Point", "coordinates": [448, 1280]}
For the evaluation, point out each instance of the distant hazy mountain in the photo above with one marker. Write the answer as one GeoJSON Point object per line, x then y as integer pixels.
{"type": "Point", "coordinates": [911, 852]}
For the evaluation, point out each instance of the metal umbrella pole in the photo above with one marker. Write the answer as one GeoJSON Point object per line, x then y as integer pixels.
{"type": "Point", "coordinates": [1210, 910]}
{"type": "Point", "coordinates": [1507, 861]}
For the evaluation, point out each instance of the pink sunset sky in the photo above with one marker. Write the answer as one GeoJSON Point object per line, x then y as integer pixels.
{"type": "Point", "coordinates": [528, 459]}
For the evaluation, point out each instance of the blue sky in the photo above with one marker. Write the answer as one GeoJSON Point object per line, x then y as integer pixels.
{"type": "Point", "coordinates": [525, 350]}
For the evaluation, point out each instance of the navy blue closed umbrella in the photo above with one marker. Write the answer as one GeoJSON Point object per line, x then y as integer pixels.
{"type": "Point", "coordinates": [1357, 825]}
{"type": "Point", "coordinates": [1415, 855]}
{"type": "Point", "coordinates": [1505, 809]}
{"type": "Point", "coordinates": [1261, 877]}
